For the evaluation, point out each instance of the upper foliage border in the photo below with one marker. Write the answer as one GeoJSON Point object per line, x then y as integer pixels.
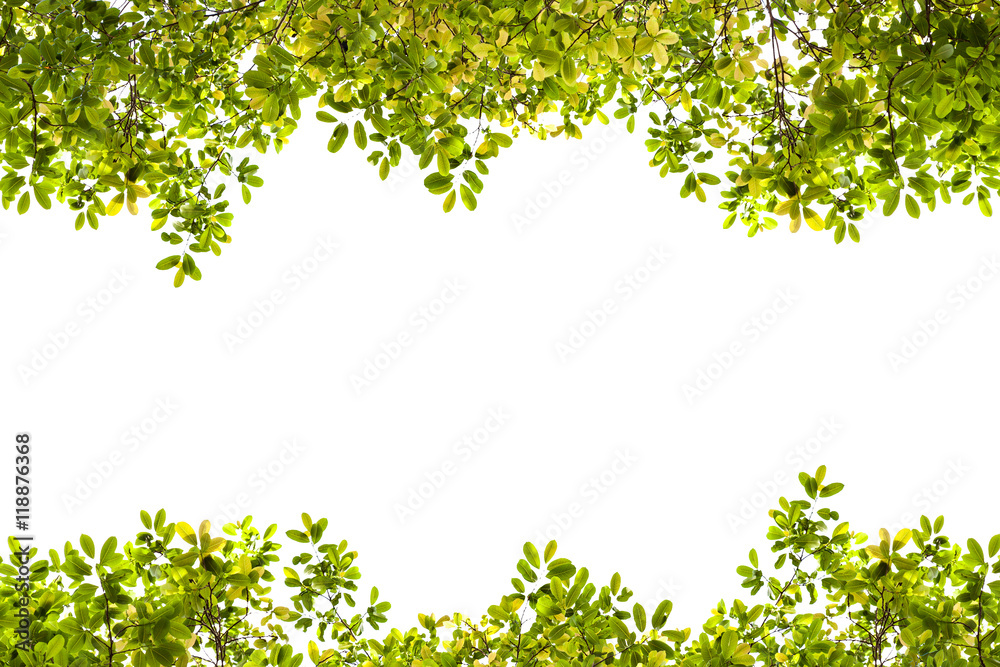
{"type": "Point", "coordinates": [817, 103]}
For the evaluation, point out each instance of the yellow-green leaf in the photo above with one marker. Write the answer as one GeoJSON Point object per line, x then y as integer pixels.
{"type": "Point", "coordinates": [269, 113]}
{"type": "Point", "coordinates": [116, 203]}
{"type": "Point", "coordinates": [813, 219]}
{"type": "Point", "coordinates": [184, 530]}
{"type": "Point", "coordinates": [360, 135]}
{"type": "Point", "coordinates": [468, 198]}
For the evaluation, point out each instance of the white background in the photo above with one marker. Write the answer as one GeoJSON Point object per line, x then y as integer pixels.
{"type": "Point", "coordinates": [925, 424]}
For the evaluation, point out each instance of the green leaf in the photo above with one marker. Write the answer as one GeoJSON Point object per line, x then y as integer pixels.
{"type": "Point", "coordinates": [620, 630]}
{"type": "Point", "coordinates": [360, 135]}
{"type": "Point", "coordinates": [984, 205]}
{"type": "Point", "coordinates": [468, 198]}
{"type": "Point", "coordinates": [168, 262]}
{"type": "Point", "coordinates": [561, 568]}
{"type": "Point", "coordinates": [838, 234]}
{"type": "Point", "coordinates": [991, 131]}
{"type": "Point", "coordinates": [449, 201]}
{"type": "Point", "coordinates": [837, 96]}
{"type": "Point", "coordinates": [942, 52]}
{"type": "Point", "coordinates": [437, 183]}
{"type": "Point", "coordinates": [912, 207]}
{"type": "Point", "coordinates": [545, 606]}
{"type": "Point", "coordinates": [239, 580]}
{"type": "Point", "coordinates": [87, 545]}
{"type": "Point", "coordinates": [639, 615]}
{"type": "Point", "coordinates": [256, 79]}
{"type": "Point", "coordinates": [944, 107]}
{"type": "Point", "coordinates": [531, 553]}
{"type": "Point", "coordinates": [568, 69]}
{"type": "Point", "coordinates": [55, 645]}
{"type": "Point", "coordinates": [269, 112]}
{"type": "Point", "coordinates": [185, 559]}
{"type": "Point", "coordinates": [443, 163]}
{"type": "Point", "coordinates": [107, 550]}
{"type": "Point", "coordinates": [24, 203]}
{"type": "Point", "coordinates": [891, 202]}
{"type": "Point", "coordinates": [662, 613]}
{"type": "Point", "coordinates": [728, 643]}
{"type": "Point", "coordinates": [95, 115]}
{"type": "Point", "coordinates": [282, 56]}
{"type": "Point", "coordinates": [831, 489]}
{"type": "Point", "coordinates": [42, 197]}
{"type": "Point", "coordinates": [473, 180]}
{"type": "Point", "coordinates": [146, 55]}
{"type": "Point", "coordinates": [976, 551]}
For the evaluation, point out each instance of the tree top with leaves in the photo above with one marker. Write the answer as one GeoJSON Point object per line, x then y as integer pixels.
{"type": "Point", "coordinates": [825, 109]}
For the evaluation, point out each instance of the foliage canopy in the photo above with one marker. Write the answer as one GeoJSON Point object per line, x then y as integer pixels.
{"type": "Point", "coordinates": [826, 109]}
{"type": "Point", "coordinates": [832, 601]}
